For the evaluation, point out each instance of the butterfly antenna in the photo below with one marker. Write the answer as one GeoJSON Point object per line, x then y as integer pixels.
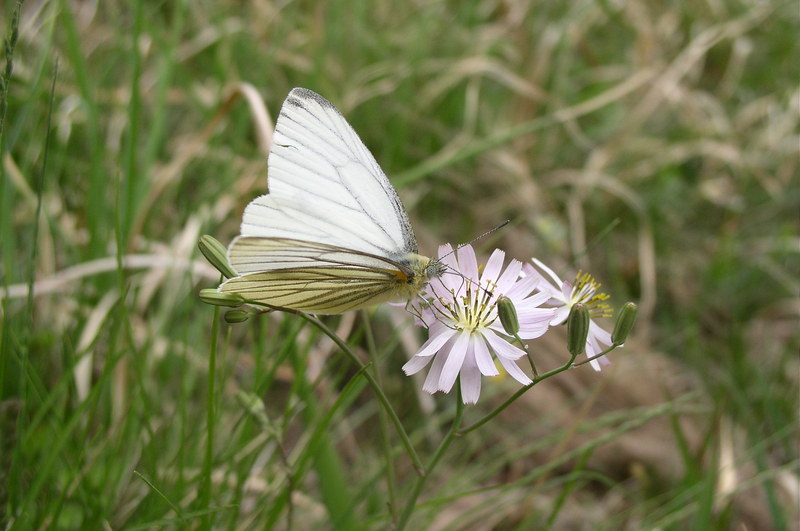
{"type": "Point", "coordinates": [476, 238]}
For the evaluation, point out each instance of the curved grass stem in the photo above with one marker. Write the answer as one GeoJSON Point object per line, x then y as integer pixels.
{"type": "Point", "coordinates": [375, 387]}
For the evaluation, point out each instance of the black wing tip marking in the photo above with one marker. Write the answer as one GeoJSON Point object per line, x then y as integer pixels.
{"type": "Point", "coordinates": [298, 94]}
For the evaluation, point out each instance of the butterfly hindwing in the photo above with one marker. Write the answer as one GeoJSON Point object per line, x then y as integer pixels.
{"type": "Point", "coordinates": [312, 277]}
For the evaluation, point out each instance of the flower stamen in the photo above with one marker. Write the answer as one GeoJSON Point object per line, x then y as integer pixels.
{"type": "Point", "coordinates": [586, 291]}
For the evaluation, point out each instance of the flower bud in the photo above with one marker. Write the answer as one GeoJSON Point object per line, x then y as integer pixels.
{"type": "Point", "coordinates": [577, 329]}
{"type": "Point", "coordinates": [236, 316]}
{"type": "Point", "coordinates": [216, 254]}
{"type": "Point", "coordinates": [508, 315]}
{"type": "Point", "coordinates": [624, 324]}
{"type": "Point", "coordinates": [212, 296]}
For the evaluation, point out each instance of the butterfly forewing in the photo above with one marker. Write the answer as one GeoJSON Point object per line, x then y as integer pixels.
{"type": "Point", "coordinates": [325, 186]}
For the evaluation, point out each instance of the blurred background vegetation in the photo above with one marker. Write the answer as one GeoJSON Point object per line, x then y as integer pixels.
{"type": "Point", "coordinates": [654, 144]}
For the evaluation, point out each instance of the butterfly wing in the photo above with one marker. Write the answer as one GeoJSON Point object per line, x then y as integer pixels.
{"type": "Point", "coordinates": [313, 277]}
{"type": "Point", "coordinates": [325, 186]}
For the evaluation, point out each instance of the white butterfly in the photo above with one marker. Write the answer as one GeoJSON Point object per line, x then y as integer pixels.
{"type": "Point", "coordinates": [331, 235]}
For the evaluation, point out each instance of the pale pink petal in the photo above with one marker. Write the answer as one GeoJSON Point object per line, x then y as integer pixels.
{"type": "Point", "coordinates": [441, 286]}
{"type": "Point", "coordinates": [439, 337]}
{"type": "Point", "coordinates": [501, 347]}
{"type": "Point", "coordinates": [601, 335]}
{"type": "Point", "coordinates": [467, 261]}
{"type": "Point", "coordinates": [431, 384]}
{"type": "Point", "coordinates": [482, 356]}
{"type": "Point", "coordinates": [447, 257]}
{"type": "Point", "coordinates": [493, 268]}
{"type": "Point", "coordinates": [561, 315]}
{"type": "Point", "coordinates": [566, 292]}
{"type": "Point", "coordinates": [596, 343]}
{"type": "Point", "coordinates": [535, 300]}
{"type": "Point", "coordinates": [416, 364]}
{"type": "Point", "coordinates": [531, 325]}
{"type": "Point", "coordinates": [521, 289]}
{"type": "Point", "coordinates": [509, 276]}
{"type": "Point", "coordinates": [515, 372]}
{"type": "Point", "coordinates": [470, 379]}
{"type": "Point", "coordinates": [455, 358]}
{"type": "Point", "coordinates": [556, 281]}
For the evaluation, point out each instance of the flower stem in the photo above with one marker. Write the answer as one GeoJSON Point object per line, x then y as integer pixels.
{"type": "Point", "coordinates": [420, 480]}
{"type": "Point", "coordinates": [208, 462]}
{"type": "Point", "coordinates": [516, 395]}
{"type": "Point", "coordinates": [375, 387]}
{"type": "Point", "coordinates": [527, 355]}
{"type": "Point", "coordinates": [589, 360]}
{"type": "Point", "coordinates": [384, 423]}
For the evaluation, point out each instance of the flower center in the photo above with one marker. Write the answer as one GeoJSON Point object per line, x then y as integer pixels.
{"type": "Point", "coordinates": [586, 291]}
{"type": "Point", "coordinates": [472, 311]}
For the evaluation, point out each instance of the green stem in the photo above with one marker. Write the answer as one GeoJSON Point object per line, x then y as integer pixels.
{"type": "Point", "coordinates": [375, 387]}
{"type": "Point", "coordinates": [516, 395]}
{"type": "Point", "coordinates": [596, 356]}
{"type": "Point", "coordinates": [527, 354]}
{"type": "Point", "coordinates": [420, 481]}
{"type": "Point", "coordinates": [205, 493]}
{"type": "Point", "coordinates": [569, 365]}
{"type": "Point", "coordinates": [384, 423]}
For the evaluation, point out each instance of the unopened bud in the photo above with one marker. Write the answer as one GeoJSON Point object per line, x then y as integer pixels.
{"type": "Point", "coordinates": [624, 324]}
{"type": "Point", "coordinates": [212, 296]}
{"type": "Point", "coordinates": [577, 329]}
{"type": "Point", "coordinates": [216, 254]}
{"type": "Point", "coordinates": [236, 316]}
{"type": "Point", "coordinates": [508, 315]}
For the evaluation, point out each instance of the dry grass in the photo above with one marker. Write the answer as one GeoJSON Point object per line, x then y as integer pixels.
{"type": "Point", "coordinates": [655, 145]}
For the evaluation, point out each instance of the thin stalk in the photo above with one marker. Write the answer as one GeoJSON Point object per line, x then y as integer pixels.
{"type": "Point", "coordinates": [384, 424]}
{"type": "Point", "coordinates": [408, 510]}
{"type": "Point", "coordinates": [516, 395]}
{"type": "Point", "coordinates": [375, 387]}
{"type": "Point", "coordinates": [205, 491]}
{"type": "Point", "coordinates": [568, 365]}
{"type": "Point", "coordinates": [596, 356]}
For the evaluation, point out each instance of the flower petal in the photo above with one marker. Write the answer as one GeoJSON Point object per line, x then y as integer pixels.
{"type": "Point", "coordinates": [561, 315]}
{"type": "Point", "coordinates": [447, 257]}
{"type": "Point", "coordinates": [493, 267]}
{"type": "Point", "coordinates": [556, 281]}
{"type": "Point", "coordinates": [455, 359]}
{"type": "Point", "coordinates": [416, 364]}
{"type": "Point", "coordinates": [596, 342]}
{"type": "Point", "coordinates": [515, 372]}
{"type": "Point", "coordinates": [501, 347]}
{"type": "Point", "coordinates": [431, 384]}
{"type": "Point", "coordinates": [521, 288]}
{"type": "Point", "coordinates": [509, 276]}
{"type": "Point", "coordinates": [483, 358]}
{"type": "Point", "coordinates": [470, 379]}
{"type": "Point", "coordinates": [439, 335]}
{"type": "Point", "coordinates": [468, 262]}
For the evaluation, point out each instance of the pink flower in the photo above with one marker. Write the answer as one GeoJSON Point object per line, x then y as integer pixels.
{"type": "Point", "coordinates": [564, 295]}
{"type": "Point", "coordinates": [460, 311]}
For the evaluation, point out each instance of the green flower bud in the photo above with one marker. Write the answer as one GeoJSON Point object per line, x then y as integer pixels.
{"type": "Point", "coordinates": [212, 296]}
{"type": "Point", "coordinates": [508, 315]}
{"type": "Point", "coordinates": [216, 254]}
{"type": "Point", "coordinates": [237, 316]}
{"type": "Point", "coordinates": [624, 324]}
{"type": "Point", "coordinates": [577, 329]}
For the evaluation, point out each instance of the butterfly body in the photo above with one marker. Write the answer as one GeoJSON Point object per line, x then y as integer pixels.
{"type": "Point", "coordinates": [331, 235]}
